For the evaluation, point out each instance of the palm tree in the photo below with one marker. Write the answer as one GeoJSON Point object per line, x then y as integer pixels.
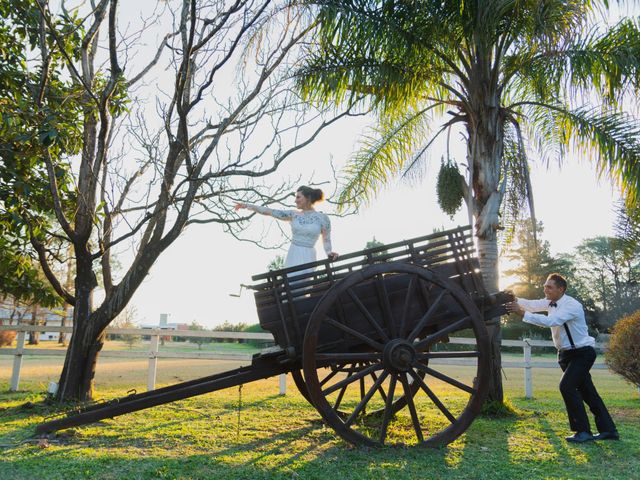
{"type": "Point", "coordinates": [515, 79]}
{"type": "Point", "coordinates": [628, 227]}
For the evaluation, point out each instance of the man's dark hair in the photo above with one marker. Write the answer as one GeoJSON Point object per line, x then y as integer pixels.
{"type": "Point", "coordinates": [559, 280]}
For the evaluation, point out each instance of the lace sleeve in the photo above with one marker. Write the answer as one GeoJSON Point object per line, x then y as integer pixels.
{"type": "Point", "coordinates": [326, 234]}
{"type": "Point", "coordinates": [279, 214]}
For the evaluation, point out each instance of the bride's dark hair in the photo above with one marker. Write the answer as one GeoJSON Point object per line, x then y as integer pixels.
{"type": "Point", "coordinates": [313, 194]}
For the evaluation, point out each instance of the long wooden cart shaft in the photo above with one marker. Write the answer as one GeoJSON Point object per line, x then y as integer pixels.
{"type": "Point", "coordinates": [258, 370]}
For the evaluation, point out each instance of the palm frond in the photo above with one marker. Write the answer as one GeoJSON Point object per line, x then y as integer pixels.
{"type": "Point", "coordinates": [383, 155]}
{"type": "Point", "coordinates": [552, 22]}
{"type": "Point", "coordinates": [542, 129]}
{"type": "Point", "coordinates": [517, 201]}
{"type": "Point", "coordinates": [389, 86]}
{"type": "Point", "coordinates": [606, 64]}
{"type": "Point", "coordinates": [395, 52]}
{"type": "Point", "coordinates": [610, 139]}
{"type": "Point", "coordinates": [627, 227]}
{"type": "Point", "coordinates": [613, 139]}
{"type": "Point", "coordinates": [413, 170]}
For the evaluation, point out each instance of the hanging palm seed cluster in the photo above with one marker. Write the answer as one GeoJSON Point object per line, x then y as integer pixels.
{"type": "Point", "coordinates": [449, 188]}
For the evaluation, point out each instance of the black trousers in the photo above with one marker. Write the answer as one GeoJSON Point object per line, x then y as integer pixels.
{"type": "Point", "coordinates": [577, 388]}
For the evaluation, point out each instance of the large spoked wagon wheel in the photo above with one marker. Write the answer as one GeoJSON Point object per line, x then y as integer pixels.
{"type": "Point", "coordinates": [390, 321]}
{"type": "Point", "coordinates": [349, 369]}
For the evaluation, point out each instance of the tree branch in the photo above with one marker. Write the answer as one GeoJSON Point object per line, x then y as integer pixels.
{"type": "Point", "coordinates": [55, 283]}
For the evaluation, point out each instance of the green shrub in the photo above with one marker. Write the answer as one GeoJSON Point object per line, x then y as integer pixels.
{"type": "Point", "coordinates": [256, 328]}
{"type": "Point", "coordinates": [623, 354]}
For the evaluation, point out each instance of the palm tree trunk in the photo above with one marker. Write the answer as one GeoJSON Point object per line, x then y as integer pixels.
{"type": "Point", "coordinates": [488, 257]}
{"type": "Point", "coordinates": [484, 152]}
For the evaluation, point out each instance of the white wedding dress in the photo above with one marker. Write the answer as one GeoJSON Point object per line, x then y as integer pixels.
{"type": "Point", "coordinates": [306, 228]}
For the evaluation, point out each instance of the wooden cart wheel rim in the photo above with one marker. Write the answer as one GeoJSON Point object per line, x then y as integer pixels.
{"type": "Point", "coordinates": [310, 368]}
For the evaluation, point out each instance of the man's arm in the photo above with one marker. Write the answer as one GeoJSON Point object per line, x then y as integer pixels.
{"type": "Point", "coordinates": [541, 305]}
{"type": "Point", "coordinates": [556, 318]}
{"type": "Point", "coordinates": [525, 309]}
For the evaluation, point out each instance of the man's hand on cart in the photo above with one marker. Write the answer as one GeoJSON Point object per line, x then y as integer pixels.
{"type": "Point", "coordinates": [515, 307]}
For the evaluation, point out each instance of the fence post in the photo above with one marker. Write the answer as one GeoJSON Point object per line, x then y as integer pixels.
{"type": "Point", "coordinates": [283, 384]}
{"type": "Point", "coordinates": [153, 362]}
{"type": "Point", "coordinates": [17, 361]}
{"type": "Point", "coordinates": [528, 386]}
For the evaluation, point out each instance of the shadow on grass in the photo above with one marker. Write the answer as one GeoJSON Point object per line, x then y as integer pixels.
{"type": "Point", "coordinates": [532, 445]}
{"type": "Point", "coordinates": [282, 439]}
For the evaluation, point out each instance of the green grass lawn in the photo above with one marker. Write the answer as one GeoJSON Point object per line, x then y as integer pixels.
{"type": "Point", "coordinates": [261, 435]}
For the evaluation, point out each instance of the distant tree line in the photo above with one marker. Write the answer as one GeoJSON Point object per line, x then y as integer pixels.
{"type": "Point", "coordinates": [602, 272]}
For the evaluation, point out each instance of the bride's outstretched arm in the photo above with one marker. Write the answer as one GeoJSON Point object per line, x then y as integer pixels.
{"type": "Point", "coordinates": [279, 214]}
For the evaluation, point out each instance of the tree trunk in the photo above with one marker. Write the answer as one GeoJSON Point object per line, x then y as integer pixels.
{"type": "Point", "coordinates": [62, 339]}
{"type": "Point", "coordinates": [488, 257]}
{"type": "Point", "coordinates": [485, 154]}
{"type": "Point", "coordinates": [34, 337]}
{"type": "Point", "coordinates": [69, 286]}
{"type": "Point", "coordinates": [76, 381]}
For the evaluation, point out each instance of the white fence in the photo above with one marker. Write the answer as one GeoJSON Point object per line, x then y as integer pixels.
{"type": "Point", "coordinates": [154, 352]}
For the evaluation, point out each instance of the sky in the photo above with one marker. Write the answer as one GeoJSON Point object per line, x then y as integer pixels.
{"type": "Point", "coordinates": [195, 278]}
{"type": "Point", "coordinates": [199, 277]}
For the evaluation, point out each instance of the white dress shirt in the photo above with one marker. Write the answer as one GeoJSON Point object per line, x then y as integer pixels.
{"type": "Point", "coordinates": [569, 311]}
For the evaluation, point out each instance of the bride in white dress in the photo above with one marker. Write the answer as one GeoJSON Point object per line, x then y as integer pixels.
{"type": "Point", "coordinates": [307, 225]}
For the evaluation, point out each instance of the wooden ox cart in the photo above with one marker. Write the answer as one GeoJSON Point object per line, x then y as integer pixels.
{"type": "Point", "coordinates": [364, 338]}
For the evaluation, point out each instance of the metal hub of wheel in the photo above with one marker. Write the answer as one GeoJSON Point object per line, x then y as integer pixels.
{"type": "Point", "coordinates": [398, 355]}
{"type": "Point", "coordinates": [367, 354]}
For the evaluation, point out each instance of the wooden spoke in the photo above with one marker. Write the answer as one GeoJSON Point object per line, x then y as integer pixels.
{"type": "Point", "coordinates": [369, 341]}
{"type": "Point", "coordinates": [361, 406]}
{"type": "Point", "coordinates": [350, 357]}
{"type": "Point", "coordinates": [433, 397]}
{"type": "Point", "coordinates": [407, 305]}
{"type": "Point", "coordinates": [388, 408]}
{"type": "Point", "coordinates": [434, 337]}
{"type": "Point", "coordinates": [343, 389]}
{"type": "Point", "coordinates": [425, 318]}
{"type": "Point", "coordinates": [445, 378]}
{"type": "Point", "coordinates": [383, 296]}
{"type": "Point", "coordinates": [461, 354]}
{"type": "Point", "coordinates": [380, 389]}
{"type": "Point", "coordinates": [365, 312]}
{"type": "Point", "coordinates": [331, 375]}
{"type": "Point", "coordinates": [408, 393]}
{"type": "Point", "coordinates": [351, 377]}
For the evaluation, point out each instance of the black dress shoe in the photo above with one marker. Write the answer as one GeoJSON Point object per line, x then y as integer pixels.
{"type": "Point", "coordinates": [607, 436]}
{"type": "Point", "coordinates": [580, 437]}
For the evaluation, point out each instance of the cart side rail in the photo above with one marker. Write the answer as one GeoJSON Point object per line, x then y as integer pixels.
{"type": "Point", "coordinates": [285, 298]}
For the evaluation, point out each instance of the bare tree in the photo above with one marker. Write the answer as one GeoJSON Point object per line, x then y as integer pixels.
{"type": "Point", "coordinates": [164, 145]}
